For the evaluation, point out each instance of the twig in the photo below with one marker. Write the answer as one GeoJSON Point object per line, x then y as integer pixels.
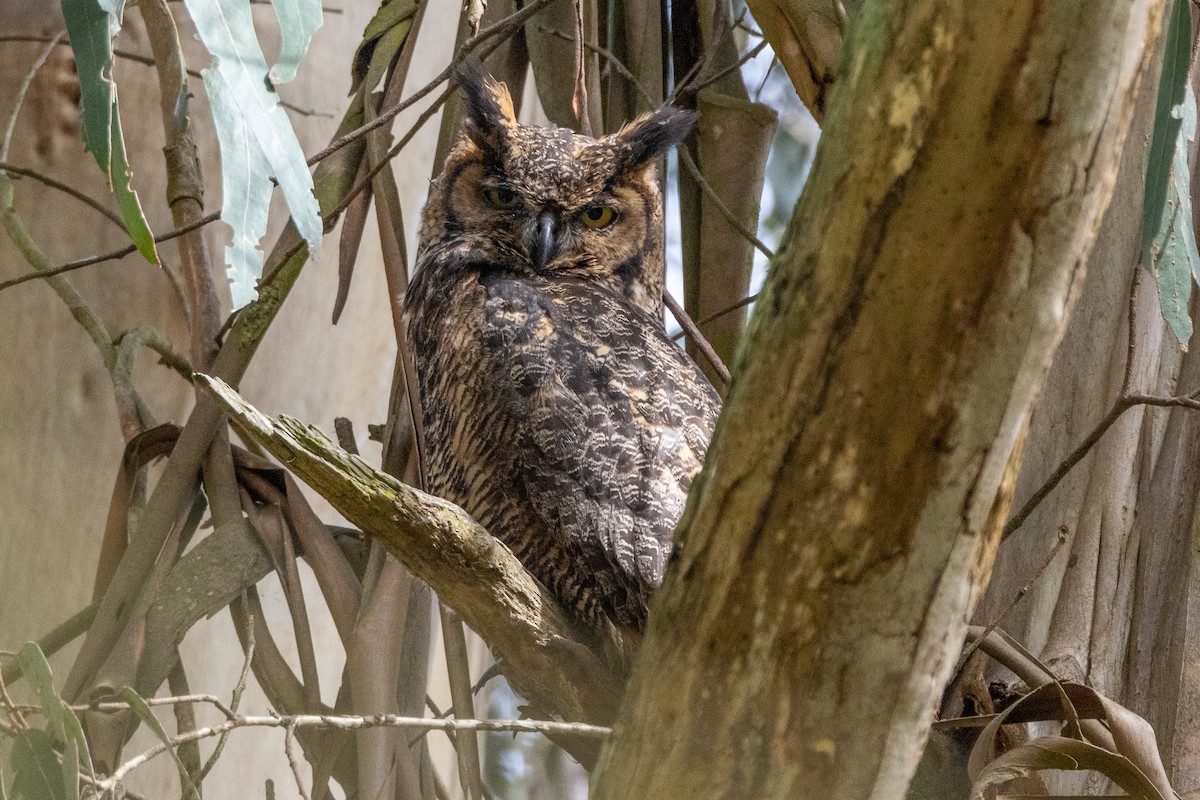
{"type": "Point", "coordinates": [119, 253]}
{"type": "Point", "coordinates": [1126, 399]}
{"type": "Point", "coordinates": [579, 98]}
{"type": "Point", "coordinates": [38, 63]}
{"type": "Point", "coordinates": [12, 169]}
{"type": "Point", "coordinates": [153, 339]}
{"type": "Point", "coordinates": [685, 159]}
{"type": "Point", "coordinates": [185, 182]}
{"type": "Point", "coordinates": [693, 332]}
{"type": "Point", "coordinates": [763, 83]}
{"type": "Point", "coordinates": [234, 700]}
{"type": "Point", "coordinates": [1024, 590]}
{"type": "Point", "coordinates": [289, 737]}
{"type": "Point", "coordinates": [350, 723]}
{"type": "Point", "coordinates": [506, 25]}
{"type": "Point", "coordinates": [745, 301]}
{"type": "Point", "coordinates": [10, 708]}
{"type": "Point", "coordinates": [735, 66]}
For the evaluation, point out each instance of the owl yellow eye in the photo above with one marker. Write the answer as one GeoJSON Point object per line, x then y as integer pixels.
{"type": "Point", "coordinates": [499, 197]}
{"type": "Point", "coordinates": [598, 217]}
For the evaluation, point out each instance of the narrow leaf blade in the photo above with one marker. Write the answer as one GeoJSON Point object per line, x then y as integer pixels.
{"type": "Point", "coordinates": [246, 195]}
{"type": "Point", "coordinates": [146, 715]}
{"type": "Point", "coordinates": [37, 671]}
{"type": "Point", "coordinates": [1171, 92]}
{"type": "Point", "coordinates": [227, 30]}
{"type": "Point", "coordinates": [38, 775]}
{"type": "Point", "coordinates": [298, 21]}
{"type": "Point", "coordinates": [91, 28]}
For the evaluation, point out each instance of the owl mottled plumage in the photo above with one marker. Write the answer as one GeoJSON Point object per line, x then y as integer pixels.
{"type": "Point", "coordinates": [557, 411]}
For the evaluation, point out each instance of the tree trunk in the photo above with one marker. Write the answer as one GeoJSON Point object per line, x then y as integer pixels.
{"type": "Point", "coordinates": [850, 506]}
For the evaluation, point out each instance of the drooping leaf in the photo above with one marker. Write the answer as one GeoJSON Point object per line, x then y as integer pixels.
{"type": "Point", "coordinates": [298, 21]}
{"type": "Point", "coordinates": [76, 737]}
{"type": "Point", "coordinates": [38, 775]}
{"type": "Point", "coordinates": [92, 25]}
{"type": "Point", "coordinates": [146, 715]}
{"type": "Point", "coordinates": [70, 769]}
{"type": "Point", "coordinates": [1167, 123]}
{"type": "Point", "coordinates": [1172, 255]}
{"type": "Point", "coordinates": [382, 39]}
{"type": "Point", "coordinates": [1061, 753]}
{"type": "Point", "coordinates": [246, 197]}
{"type": "Point", "coordinates": [37, 671]}
{"type": "Point", "coordinates": [1135, 740]}
{"type": "Point", "coordinates": [255, 136]}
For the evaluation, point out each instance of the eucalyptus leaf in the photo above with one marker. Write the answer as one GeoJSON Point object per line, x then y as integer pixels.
{"type": "Point", "coordinates": [1172, 256]}
{"type": "Point", "coordinates": [391, 16]}
{"type": "Point", "coordinates": [1171, 92]}
{"type": "Point", "coordinates": [246, 196]}
{"type": "Point", "coordinates": [70, 769]}
{"type": "Point", "coordinates": [92, 25]}
{"type": "Point", "coordinates": [37, 671]}
{"type": "Point", "coordinates": [38, 775]}
{"type": "Point", "coordinates": [143, 711]}
{"type": "Point", "coordinates": [298, 21]}
{"type": "Point", "coordinates": [257, 140]}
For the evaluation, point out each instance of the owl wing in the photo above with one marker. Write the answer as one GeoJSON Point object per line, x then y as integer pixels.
{"type": "Point", "coordinates": [617, 419]}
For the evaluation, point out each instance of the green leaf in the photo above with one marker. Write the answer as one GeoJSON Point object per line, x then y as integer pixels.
{"type": "Point", "coordinates": [298, 20]}
{"type": "Point", "coordinates": [38, 774]}
{"type": "Point", "coordinates": [381, 41]}
{"type": "Point", "coordinates": [1172, 255]}
{"type": "Point", "coordinates": [1171, 93]}
{"type": "Point", "coordinates": [70, 769]}
{"type": "Point", "coordinates": [37, 671]}
{"type": "Point", "coordinates": [76, 737]}
{"type": "Point", "coordinates": [256, 138]}
{"type": "Point", "coordinates": [146, 715]}
{"type": "Point", "coordinates": [92, 25]}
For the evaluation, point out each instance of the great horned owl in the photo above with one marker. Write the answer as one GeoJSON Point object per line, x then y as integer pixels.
{"type": "Point", "coordinates": [557, 412]}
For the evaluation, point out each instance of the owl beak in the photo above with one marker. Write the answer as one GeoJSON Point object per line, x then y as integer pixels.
{"type": "Point", "coordinates": [543, 240]}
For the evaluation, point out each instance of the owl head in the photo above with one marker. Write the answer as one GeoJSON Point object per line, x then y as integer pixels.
{"type": "Point", "coordinates": [547, 201]}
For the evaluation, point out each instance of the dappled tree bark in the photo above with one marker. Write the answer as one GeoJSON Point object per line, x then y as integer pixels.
{"type": "Point", "coordinates": [852, 500]}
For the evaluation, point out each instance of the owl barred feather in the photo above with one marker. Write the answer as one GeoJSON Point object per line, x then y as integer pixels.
{"type": "Point", "coordinates": [557, 412]}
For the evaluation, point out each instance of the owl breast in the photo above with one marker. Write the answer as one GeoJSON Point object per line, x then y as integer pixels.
{"type": "Point", "coordinates": [561, 417]}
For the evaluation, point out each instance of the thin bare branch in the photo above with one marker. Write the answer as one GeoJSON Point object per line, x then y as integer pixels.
{"type": "Point", "coordinates": [12, 169]}
{"type": "Point", "coordinates": [1126, 399]}
{"type": "Point", "coordinates": [696, 336]}
{"type": "Point", "coordinates": [350, 723]}
{"type": "Point", "coordinates": [289, 749]}
{"type": "Point", "coordinates": [119, 253]}
{"type": "Point", "coordinates": [745, 301]}
{"type": "Point", "coordinates": [23, 90]}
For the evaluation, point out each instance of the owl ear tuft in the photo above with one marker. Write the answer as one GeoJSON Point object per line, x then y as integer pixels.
{"type": "Point", "coordinates": [652, 135]}
{"type": "Point", "coordinates": [489, 107]}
